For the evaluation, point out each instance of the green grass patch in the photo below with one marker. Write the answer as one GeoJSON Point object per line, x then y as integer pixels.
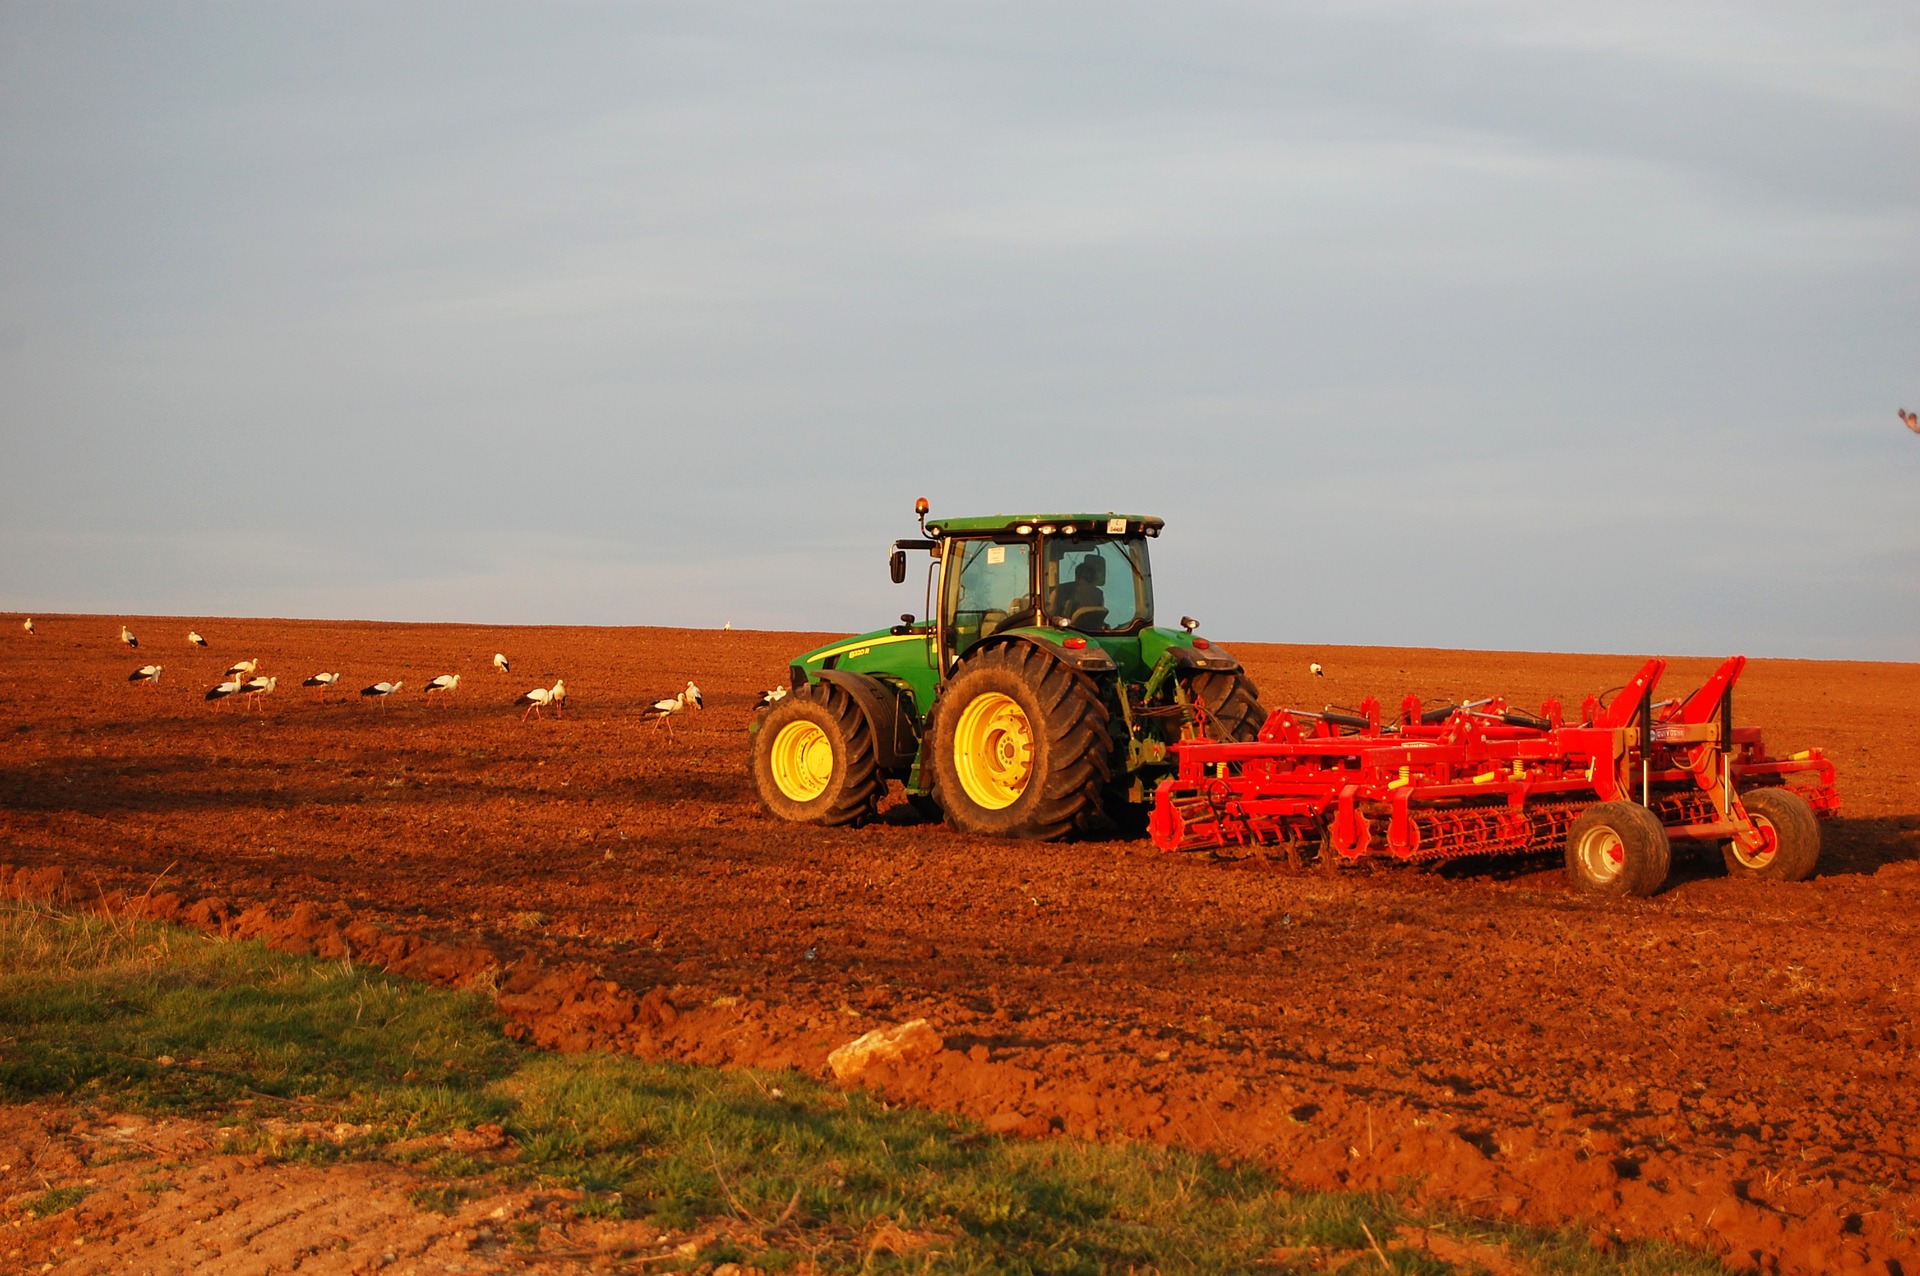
{"type": "Point", "coordinates": [145, 1018]}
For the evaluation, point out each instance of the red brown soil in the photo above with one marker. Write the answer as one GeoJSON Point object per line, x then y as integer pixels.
{"type": "Point", "coordinates": [1729, 1065]}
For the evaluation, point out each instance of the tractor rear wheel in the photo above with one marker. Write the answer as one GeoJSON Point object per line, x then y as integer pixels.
{"type": "Point", "coordinates": [814, 760]}
{"type": "Point", "coordinates": [1020, 746]}
{"type": "Point", "coordinates": [1618, 848]}
{"type": "Point", "coordinates": [1232, 703]}
{"type": "Point", "coordinates": [1792, 832]}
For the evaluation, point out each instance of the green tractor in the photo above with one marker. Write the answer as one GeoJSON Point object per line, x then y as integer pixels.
{"type": "Point", "coordinates": [1036, 701]}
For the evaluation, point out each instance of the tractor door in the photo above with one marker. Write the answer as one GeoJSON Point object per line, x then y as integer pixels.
{"type": "Point", "coordinates": [986, 586]}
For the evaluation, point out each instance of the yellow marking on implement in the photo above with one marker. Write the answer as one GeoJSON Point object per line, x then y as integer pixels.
{"type": "Point", "coordinates": [863, 647]}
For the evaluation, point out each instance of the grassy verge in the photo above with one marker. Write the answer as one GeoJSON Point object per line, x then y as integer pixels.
{"type": "Point", "coordinates": [131, 1017]}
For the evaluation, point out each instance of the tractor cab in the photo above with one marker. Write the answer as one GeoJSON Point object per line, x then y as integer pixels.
{"type": "Point", "coordinates": [1084, 574]}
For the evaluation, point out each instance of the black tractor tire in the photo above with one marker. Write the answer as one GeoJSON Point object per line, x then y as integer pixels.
{"type": "Point", "coordinates": [1618, 848]}
{"type": "Point", "coordinates": [1233, 705]}
{"type": "Point", "coordinates": [1020, 746]}
{"type": "Point", "coordinates": [814, 760]}
{"type": "Point", "coordinates": [1796, 837]}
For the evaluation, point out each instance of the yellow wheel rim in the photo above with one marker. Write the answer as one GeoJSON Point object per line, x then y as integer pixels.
{"type": "Point", "coordinates": [802, 760]}
{"type": "Point", "coordinates": [993, 750]}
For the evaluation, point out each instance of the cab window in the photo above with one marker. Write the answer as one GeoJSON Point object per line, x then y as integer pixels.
{"type": "Point", "coordinates": [993, 589]}
{"type": "Point", "coordinates": [1098, 585]}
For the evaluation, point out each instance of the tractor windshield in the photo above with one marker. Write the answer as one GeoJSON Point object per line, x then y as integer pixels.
{"type": "Point", "coordinates": [1097, 584]}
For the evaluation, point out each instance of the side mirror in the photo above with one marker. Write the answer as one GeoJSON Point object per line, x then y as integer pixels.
{"type": "Point", "coordinates": [897, 566]}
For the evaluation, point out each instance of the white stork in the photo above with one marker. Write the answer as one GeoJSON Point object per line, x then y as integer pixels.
{"type": "Point", "coordinates": [194, 638]}
{"type": "Point", "coordinates": [27, 624]}
{"type": "Point", "coordinates": [1316, 670]}
{"type": "Point", "coordinates": [445, 682]}
{"type": "Point", "coordinates": [148, 674]}
{"type": "Point", "coordinates": [537, 699]}
{"type": "Point", "coordinates": [768, 699]}
{"type": "Point", "coordinates": [559, 694]}
{"type": "Point", "coordinates": [324, 681]}
{"type": "Point", "coordinates": [259, 686]}
{"type": "Point", "coordinates": [244, 669]}
{"type": "Point", "coordinates": [664, 710]}
{"type": "Point", "coordinates": [500, 662]}
{"type": "Point", "coordinates": [225, 689]}
{"type": "Point", "coordinates": [381, 690]}
{"type": "Point", "coordinates": [126, 636]}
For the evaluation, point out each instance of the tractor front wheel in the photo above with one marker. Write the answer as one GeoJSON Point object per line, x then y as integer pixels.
{"type": "Point", "coordinates": [1020, 746]}
{"type": "Point", "coordinates": [1792, 835]}
{"type": "Point", "coordinates": [814, 760]}
{"type": "Point", "coordinates": [1618, 848]}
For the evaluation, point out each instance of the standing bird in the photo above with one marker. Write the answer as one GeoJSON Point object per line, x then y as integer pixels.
{"type": "Point", "coordinates": [663, 710]}
{"type": "Point", "coordinates": [1316, 670]}
{"type": "Point", "coordinates": [322, 680]}
{"type": "Point", "coordinates": [445, 682]}
{"type": "Point", "coordinates": [196, 639]}
{"type": "Point", "coordinates": [559, 694]}
{"type": "Point", "coordinates": [224, 690]}
{"type": "Point", "coordinates": [499, 662]}
{"type": "Point", "coordinates": [126, 636]}
{"type": "Point", "coordinates": [536, 700]}
{"type": "Point", "coordinates": [27, 624]}
{"type": "Point", "coordinates": [727, 628]}
{"type": "Point", "coordinates": [381, 690]}
{"type": "Point", "coordinates": [259, 686]}
{"type": "Point", "coordinates": [1912, 421]}
{"type": "Point", "coordinates": [244, 669]}
{"type": "Point", "coordinates": [149, 674]}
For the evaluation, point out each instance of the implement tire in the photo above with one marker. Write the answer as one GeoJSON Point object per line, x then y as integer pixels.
{"type": "Point", "coordinates": [1618, 848]}
{"type": "Point", "coordinates": [814, 760]}
{"type": "Point", "coordinates": [1020, 746]}
{"type": "Point", "coordinates": [1233, 705]}
{"type": "Point", "coordinates": [1792, 829]}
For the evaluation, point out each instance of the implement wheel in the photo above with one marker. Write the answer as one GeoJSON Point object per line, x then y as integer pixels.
{"type": "Point", "coordinates": [1233, 705]}
{"type": "Point", "coordinates": [1792, 832]}
{"type": "Point", "coordinates": [1618, 848]}
{"type": "Point", "coordinates": [814, 760]}
{"type": "Point", "coordinates": [1020, 746]}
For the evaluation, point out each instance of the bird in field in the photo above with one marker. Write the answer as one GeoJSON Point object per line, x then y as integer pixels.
{"type": "Point", "coordinates": [126, 636]}
{"type": "Point", "coordinates": [664, 710]}
{"type": "Point", "coordinates": [499, 662]}
{"type": "Point", "coordinates": [537, 699]}
{"type": "Point", "coordinates": [148, 674]}
{"type": "Point", "coordinates": [27, 624]}
{"type": "Point", "coordinates": [445, 682]}
{"type": "Point", "coordinates": [196, 639]}
{"type": "Point", "coordinates": [1316, 670]}
{"type": "Point", "coordinates": [559, 693]}
{"type": "Point", "coordinates": [225, 689]}
{"type": "Point", "coordinates": [1911, 421]}
{"type": "Point", "coordinates": [380, 690]}
{"type": "Point", "coordinates": [322, 680]}
{"type": "Point", "coordinates": [769, 698]}
{"type": "Point", "coordinates": [727, 628]}
{"type": "Point", "coordinates": [259, 686]}
{"type": "Point", "coordinates": [244, 669]}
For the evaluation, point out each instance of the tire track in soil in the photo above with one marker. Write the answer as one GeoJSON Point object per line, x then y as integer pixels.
{"type": "Point", "coordinates": [1727, 1064]}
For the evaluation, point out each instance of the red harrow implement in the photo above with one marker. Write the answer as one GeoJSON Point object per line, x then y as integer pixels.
{"type": "Point", "coordinates": [1483, 779]}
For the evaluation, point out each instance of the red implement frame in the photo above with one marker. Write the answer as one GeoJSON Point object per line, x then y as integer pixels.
{"type": "Point", "coordinates": [1480, 779]}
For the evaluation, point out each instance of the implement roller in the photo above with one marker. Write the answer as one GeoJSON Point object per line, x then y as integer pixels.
{"type": "Point", "coordinates": [1614, 790]}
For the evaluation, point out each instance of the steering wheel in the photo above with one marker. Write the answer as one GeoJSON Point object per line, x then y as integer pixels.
{"type": "Point", "coordinates": [1094, 618]}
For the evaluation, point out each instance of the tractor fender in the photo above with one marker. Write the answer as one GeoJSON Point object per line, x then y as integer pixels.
{"type": "Point", "coordinates": [889, 711]}
{"type": "Point", "coordinates": [1089, 659]}
{"type": "Point", "coordinates": [1212, 660]}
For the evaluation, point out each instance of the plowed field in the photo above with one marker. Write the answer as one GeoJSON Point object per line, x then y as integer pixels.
{"type": "Point", "coordinates": [1728, 1064]}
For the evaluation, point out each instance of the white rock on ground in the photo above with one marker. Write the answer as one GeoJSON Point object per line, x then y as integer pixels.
{"type": "Point", "coordinates": [902, 1043]}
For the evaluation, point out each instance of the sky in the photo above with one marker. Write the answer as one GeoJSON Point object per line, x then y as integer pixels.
{"type": "Point", "coordinates": [1495, 325]}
